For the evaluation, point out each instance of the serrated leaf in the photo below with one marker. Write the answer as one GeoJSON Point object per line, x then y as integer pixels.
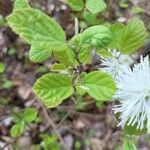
{"type": "Point", "coordinates": [76, 4]}
{"type": "Point", "coordinates": [20, 4]}
{"type": "Point", "coordinates": [37, 29]}
{"type": "Point", "coordinates": [17, 129]}
{"type": "Point", "coordinates": [98, 36]}
{"type": "Point", "coordinates": [66, 56]}
{"type": "Point", "coordinates": [53, 88]}
{"type": "Point", "coordinates": [84, 51]}
{"type": "Point", "coordinates": [30, 114]}
{"type": "Point", "coordinates": [99, 85]}
{"type": "Point", "coordinates": [95, 6]}
{"type": "Point", "coordinates": [133, 36]}
{"type": "Point", "coordinates": [37, 54]}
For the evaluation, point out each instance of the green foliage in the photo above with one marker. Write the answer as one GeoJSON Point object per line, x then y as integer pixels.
{"type": "Point", "coordinates": [105, 53]}
{"type": "Point", "coordinates": [95, 6]}
{"type": "Point", "coordinates": [99, 85]}
{"type": "Point", "coordinates": [50, 142]}
{"type": "Point", "coordinates": [133, 36]}
{"type": "Point", "coordinates": [22, 119]}
{"type": "Point", "coordinates": [74, 70]}
{"type": "Point", "coordinates": [128, 38]}
{"type": "Point", "coordinates": [30, 114]}
{"type": "Point", "coordinates": [7, 84]}
{"type": "Point", "coordinates": [91, 19]}
{"type": "Point", "coordinates": [2, 21]}
{"type": "Point", "coordinates": [39, 54]}
{"type": "Point", "coordinates": [20, 4]}
{"type": "Point", "coordinates": [2, 67]}
{"type": "Point", "coordinates": [116, 29]}
{"type": "Point", "coordinates": [17, 129]}
{"type": "Point", "coordinates": [39, 30]}
{"type": "Point", "coordinates": [77, 145]}
{"type": "Point", "coordinates": [98, 36]}
{"type": "Point", "coordinates": [59, 67]}
{"type": "Point", "coordinates": [123, 4]}
{"type": "Point", "coordinates": [137, 10]}
{"type": "Point", "coordinates": [128, 145]}
{"type": "Point", "coordinates": [131, 130]}
{"type": "Point", "coordinates": [53, 88]}
{"type": "Point", "coordinates": [66, 56]}
{"type": "Point", "coordinates": [76, 4]}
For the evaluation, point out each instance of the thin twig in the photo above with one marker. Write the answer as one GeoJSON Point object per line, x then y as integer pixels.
{"type": "Point", "coordinates": [53, 126]}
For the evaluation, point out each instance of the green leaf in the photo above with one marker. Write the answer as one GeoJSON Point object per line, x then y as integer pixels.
{"type": "Point", "coordinates": [66, 56]}
{"type": "Point", "coordinates": [2, 67]}
{"type": "Point", "coordinates": [20, 4]}
{"type": "Point", "coordinates": [137, 10]}
{"type": "Point", "coordinates": [76, 4]}
{"type": "Point", "coordinates": [84, 52]}
{"type": "Point", "coordinates": [99, 85]}
{"type": "Point", "coordinates": [58, 67]}
{"type": "Point", "coordinates": [98, 36]}
{"type": "Point", "coordinates": [80, 90]}
{"type": "Point", "coordinates": [7, 84]}
{"type": "Point", "coordinates": [53, 88]}
{"type": "Point", "coordinates": [131, 130]}
{"type": "Point", "coordinates": [18, 117]}
{"type": "Point", "coordinates": [133, 36]}
{"type": "Point", "coordinates": [91, 19]}
{"type": "Point", "coordinates": [105, 53]}
{"type": "Point", "coordinates": [123, 4]}
{"type": "Point", "coordinates": [37, 29]}
{"type": "Point", "coordinates": [37, 54]}
{"type": "Point", "coordinates": [95, 6]}
{"type": "Point", "coordinates": [30, 114]}
{"type": "Point", "coordinates": [128, 145]}
{"type": "Point", "coordinates": [17, 129]}
{"type": "Point", "coordinates": [116, 29]}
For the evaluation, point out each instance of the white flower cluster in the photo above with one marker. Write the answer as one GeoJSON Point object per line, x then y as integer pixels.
{"type": "Point", "coordinates": [133, 91]}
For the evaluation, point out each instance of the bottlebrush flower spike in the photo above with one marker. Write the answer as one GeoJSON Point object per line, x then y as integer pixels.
{"type": "Point", "coordinates": [134, 95]}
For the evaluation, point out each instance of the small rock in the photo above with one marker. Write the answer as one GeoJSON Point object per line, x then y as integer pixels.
{"type": "Point", "coordinates": [68, 139]}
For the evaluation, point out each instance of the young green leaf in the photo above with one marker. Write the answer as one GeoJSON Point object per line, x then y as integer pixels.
{"type": "Point", "coordinates": [76, 4]}
{"type": "Point", "coordinates": [20, 4]}
{"type": "Point", "coordinates": [98, 36]}
{"type": "Point", "coordinates": [66, 56]}
{"type": "Point", "coordinates": [37, 54]}
{"type": "Point", "coordinates": [95, 6]}
{"type": "Point", "coordinates": [30, 114]}
{"type": "Point", "coordinates": [133, 36]}
{"type": "Point", "coordinates": [99, 85]}
{"type": "Point", "coordinates": [53, 88]}
{"type": "Point", "coordinates": [17, 129]}
{"type": "Point", "coordinates": [37, 29]}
